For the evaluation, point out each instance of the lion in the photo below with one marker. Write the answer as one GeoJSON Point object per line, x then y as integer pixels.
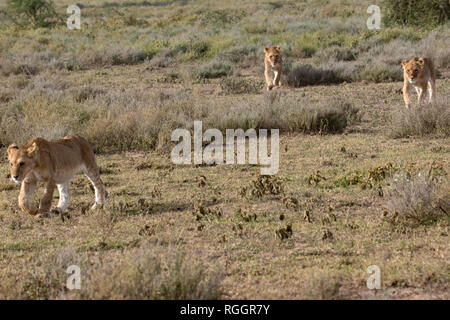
{"type": "Point", "coordinates": [273, 62]}
{"type": "Point", "coordinates": [419, 73]}
{"type": "Point", "coordinates": [55, 163]}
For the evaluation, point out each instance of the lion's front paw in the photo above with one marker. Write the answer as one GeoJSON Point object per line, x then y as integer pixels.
{"type": "Point", "coordinates": [270, 87]}
{"type": "Point", "coordinates": [42, 214]}
{"type": "Point", "coordinates": [97, 206]}
{"type": "Point", "coordinates": [56, 210]}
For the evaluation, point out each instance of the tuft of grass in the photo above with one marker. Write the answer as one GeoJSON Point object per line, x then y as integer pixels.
{"type": "Point", "coordinates": [417, 200]}
{"type": "Point", "coordinates": [85, 92]}
{"type": "Point", "coordinates": [235, 85]}
{"type": "Point", "coordinates": [145, 275]}
{"type": "Point", "coordinates": [35, 13]}
{"type": "Point", "coordinates": [337, 53]}
{"type": "Point", "coordinates": [138, 273]}
{"type": "Point", "coordinates": [125, 121]}
{"type": "Point", "coordinates": [424, 13]}
{"type": "Point", "coordinates": [211, 70]}
{"type": "Point", "coordinates": [322, 285]}
{"type": "Point", "coordinates": [263, 185]}
{"type": "Point", "coordinates": [308, 75]}
{"type": "Point", "coordinates": [421, 121]}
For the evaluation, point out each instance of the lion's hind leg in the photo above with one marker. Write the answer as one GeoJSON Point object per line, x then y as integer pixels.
{"type": "Point", "coordinates": [93, 175]}
{"type": "Point", "coordinates": [432, 90]}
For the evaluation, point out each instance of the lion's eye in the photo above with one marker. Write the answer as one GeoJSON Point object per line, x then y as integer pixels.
{"type": "Point", "coordinates": [21, 164]}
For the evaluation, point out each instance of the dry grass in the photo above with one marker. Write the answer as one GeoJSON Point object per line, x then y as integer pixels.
{"type": "Point", "coordinates": [418, 200]}
{"type": "Point", "coordinates": [125, 81]}
{"type": "Point", "coordinates": [308, 75]}
{"type": "Point", "coordinates": [421, 121]}
{"type": "Point", "coordinates": [140, 273]}
{"type": "Point", "coordinates": [132, 120]}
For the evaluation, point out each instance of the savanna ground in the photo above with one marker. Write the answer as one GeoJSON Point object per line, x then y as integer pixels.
{"type": "Point", "coordinates": [361, 182]}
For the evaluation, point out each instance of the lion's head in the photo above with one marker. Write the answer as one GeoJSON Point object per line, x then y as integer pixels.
{"type": "Point", "coordinates": [413, 69]}
{"type": "Point", "coordinates": [273, 54]}
{"type": "Point", "coordinates": [22, 161]}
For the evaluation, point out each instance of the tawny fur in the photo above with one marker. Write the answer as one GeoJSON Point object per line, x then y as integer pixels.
{"type": "Point", "coordinates": [419, 73]}
{"type": "Point", "coordinates": [55, 163]}
{"type": "Point", "coordinates": [273, 62]}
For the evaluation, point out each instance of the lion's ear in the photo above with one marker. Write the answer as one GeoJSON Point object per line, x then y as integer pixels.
{"type": "Point", "coordinates": [421, 61]}
{"type": "Point", "coordinates": [404, 63]}
{"type": "Point", "coordinates": [12, 147]}
{"type": "Point", "coordinates": [266, 49]}
{"type": "Point", "coordinates": [278, 48]}
{"type": "Point", "coordinates": [33, 150]}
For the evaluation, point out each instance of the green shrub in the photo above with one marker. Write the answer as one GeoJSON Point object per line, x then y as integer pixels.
{"type": "Point", "coordinates": [336, 53]}
{"type": "Point", "coordinates": [198, 49]}
{"type": "Point", "coordinates": [37, 13]}
{"type": "Point", "coordinates": [214, 69]}
{"type": "Point", "coordinates": [243, 55]}
{"type": "Point", "coordinates": [221, 18]}
{"type": "Point", "coordinates": [330, 117]}
{"type": "Point", "coordinates": [422, 13]}
{"type": "Point", "coordinates": [381, 74]}
{"type": "Point", "coordinates": [308, 75]}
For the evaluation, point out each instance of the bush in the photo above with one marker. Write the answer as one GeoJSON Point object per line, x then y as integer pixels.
{"type": "Point", "coordinates": [232, 85]}
{"type": "Point", "coordinates": [198, 49]}
{"type": "Point", "coordinates": [381, 74]}
{"type": "Point", "coordinates": [327, 117]}
{"type": "Point", "coordinates": [115, 55]}
{"type": "Point", "coordinates": [37, 13]}
{"type": "Point", "coordinates": [244, 56]}
{"type": "Point", "coordinates": [115, 121]}
{"type": "Point", "coordinates": [147, 272]}
{"type": "Point", "coordinates": [85, 92]}
{"type": "Point", "coordinates": [415, 201]}
{"type": "Point", "coordinates": [214, 69]}
{"type": "Point", "coordinates": [423, 13]}
{"type": "Point", "coordinates": [420, 121]}
{"type": "Point", "coordinates": [168, 276]}
{"type": "Point", "coordinates": [336, 53]}
{"type": "Point", "coordinates": [308, 75]}
{"type": "Point", "coordinates": [323, 285]}
{"type": "Point", "coordinates": [285, 114]}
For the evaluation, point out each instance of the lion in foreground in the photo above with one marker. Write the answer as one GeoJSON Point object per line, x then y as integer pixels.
{"type": "Point", "coordinates": [55, 163]}
{"type": "Point", "coordinates": [419, 73]}
{"type": "Point", "coordinates": [273, 62]}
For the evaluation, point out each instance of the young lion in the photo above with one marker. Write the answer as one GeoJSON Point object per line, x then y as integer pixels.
{"type": "Point", "coordinates": [55, 163]}
{"type": "Point", "coordinates": [418, 72]}
{"type": "Point", "coordinates": [273, 62]}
